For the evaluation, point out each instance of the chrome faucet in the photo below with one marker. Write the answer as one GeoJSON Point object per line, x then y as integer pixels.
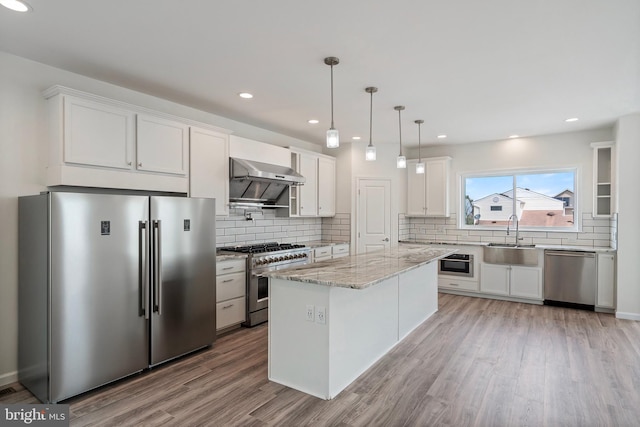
{"type": "Point", "coordinates": [515, 220]}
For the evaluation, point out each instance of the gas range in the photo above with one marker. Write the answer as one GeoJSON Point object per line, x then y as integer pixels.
{"type": "Point", "coordinates": [261, 258]}
{"type": "Point", "coordinates": [272, 255]}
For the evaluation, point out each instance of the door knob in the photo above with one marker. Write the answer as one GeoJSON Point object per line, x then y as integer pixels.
{"type": "Point", "coordinates": [386, 239]}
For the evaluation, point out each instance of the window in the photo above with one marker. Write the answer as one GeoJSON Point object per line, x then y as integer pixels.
{"type": "Point", "coordinates": [541, 200]}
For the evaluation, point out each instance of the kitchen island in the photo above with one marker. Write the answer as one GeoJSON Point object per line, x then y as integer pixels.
{"type": "Point", "coordinates": [330, 321]}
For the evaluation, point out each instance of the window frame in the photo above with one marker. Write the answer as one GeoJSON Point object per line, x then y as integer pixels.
{"type": "Point", "coordinates": [514, 173]}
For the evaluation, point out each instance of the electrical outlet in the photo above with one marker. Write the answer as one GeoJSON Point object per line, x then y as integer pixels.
{"type": "Point", "coordinates": [310, 313]}
{"type": "Point", "coordinates": [321, 315]}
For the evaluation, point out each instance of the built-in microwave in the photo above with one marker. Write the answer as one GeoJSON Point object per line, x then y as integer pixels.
{"type": "Point", "coordinates": [456, 265]}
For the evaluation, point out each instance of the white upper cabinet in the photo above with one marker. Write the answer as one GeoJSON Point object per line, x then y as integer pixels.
{"type": "Point", "coordinates": [100, 142]}
{"type": "Point", "coordinates": [97, 135]}
{"type": "Point", "coordinates": [308, 193]}
{"type": "Point", "coordinates": [428, 193]}
{"type": "Point", "coordinates": [317, 197]}
{"type": "Point", "coordinates": [326, 186]}
{"type": "Point", "coordinates": [162, 145]}
{"type": "Point", "coordinates": [209, 168]}
{"type": "Point", "coordinates": [603, 179]}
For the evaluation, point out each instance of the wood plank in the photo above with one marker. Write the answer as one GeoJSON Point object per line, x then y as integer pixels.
{"type": "Point", "coordinates": [476, 362]}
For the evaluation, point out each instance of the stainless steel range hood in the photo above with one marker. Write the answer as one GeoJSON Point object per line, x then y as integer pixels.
{"type": "Point", "coordinates": [257, 184]}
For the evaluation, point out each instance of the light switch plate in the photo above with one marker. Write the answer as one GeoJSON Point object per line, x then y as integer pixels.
{"type": "Point", "coordinates": [321, 315]}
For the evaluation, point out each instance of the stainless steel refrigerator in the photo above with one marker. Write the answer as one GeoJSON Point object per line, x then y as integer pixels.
{"type": "Point", "coordinates": [110, 285]}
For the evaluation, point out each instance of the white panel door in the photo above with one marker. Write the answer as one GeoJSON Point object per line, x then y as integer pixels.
{"type": "Point", "coordinates": [162, 145]}
{"type": "Point", "coordinates": [209, 170]}
{"type": "Point", "coordinates": [374, 215]}
{"type": "Point", "coordinates": [526, 282]}
{"type": "Point", "coordinates": [494, 279]}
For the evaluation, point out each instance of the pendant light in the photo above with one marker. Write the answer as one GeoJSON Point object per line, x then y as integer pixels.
{"type": "Point", "coordinates": [333, 137]}
{"type": "Point", "coordinates": [370, 153]}
{"type": "Point", "coordinates": [401, 162]}
{"type": "Point", "coordinates": [420, 164]}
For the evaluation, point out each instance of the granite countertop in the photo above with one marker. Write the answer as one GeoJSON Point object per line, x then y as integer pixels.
{"type": "Point", "coordinates": [540, 246]}
{"type": "Point", "coordinates": [363, 270]}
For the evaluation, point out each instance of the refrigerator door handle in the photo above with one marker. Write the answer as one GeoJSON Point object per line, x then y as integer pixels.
{"type": "Point", "coordinates": [142, 262]}
{"type": "Point", "coordinates": [157, 257]}
{"type": "Point", "coordinates": [143, 269]}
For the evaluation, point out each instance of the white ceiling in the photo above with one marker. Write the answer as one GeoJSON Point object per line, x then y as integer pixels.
{"type": "Point", "coordinates": [474, 70]}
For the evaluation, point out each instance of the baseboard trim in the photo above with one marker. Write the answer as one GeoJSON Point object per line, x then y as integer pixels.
{"type": "Point", "coordinates": [627, 316]}
{"type": "Point", "coordinates": [8, 378]}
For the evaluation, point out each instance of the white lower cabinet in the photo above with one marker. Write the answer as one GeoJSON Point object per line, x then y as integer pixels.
{"type": "Point", "coordinates": [324, 253]}
{"type": "Point", "coordinates": [231, 284]}
{"type": "Point", "coordinates": [508, 280]}
{"type": "Point", "coordinates": [606, 281]}
{"type": "Point", "coordinates": [494, 279]}
{"type": "Point", "coordinates": [448, 282]}
{"type": "Point", "coordinates": [339, 251]}
{"type": "Point", "coordinates": [526, 282]}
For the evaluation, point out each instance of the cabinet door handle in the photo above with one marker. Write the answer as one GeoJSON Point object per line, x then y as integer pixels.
{"type": "Point", "coordinates": [140, 164]}
{"type": "Point", "coordinates": [453, 284]}
{"type": "Point", "coordinates": [227, 281]}
{"type": "Point", "coordinates": [227, 268]}
{"type": "Point", "coordinates": [227, 306]}
{"type": "Point", "coordinates": [129, 163]}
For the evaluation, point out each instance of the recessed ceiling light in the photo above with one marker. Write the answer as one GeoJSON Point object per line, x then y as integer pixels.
{"type": "Point", "coordinates": [18, 6]}
{"type": "Point", "coordinates": [313, 121]}
{"type": "Point", "coordinates": [514, 136]}
{"type": "Point", "coordinates": [573, 119]}
{"type": "Point", "coordinates": [245, 95]}
{"type": "Point", "coordinates": [443, 136]}
{"type": "Point", "coordinates": [355, 138]}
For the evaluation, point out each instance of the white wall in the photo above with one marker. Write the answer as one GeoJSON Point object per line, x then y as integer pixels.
{"type": "Point", "coordinates": [549, 151]}
{"type": "Point", "coordinates": [23, 154]}
{"type": "Point", "coordinates": [628, 177]}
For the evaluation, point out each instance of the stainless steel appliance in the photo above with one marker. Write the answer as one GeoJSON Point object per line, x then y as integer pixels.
{"type": "Point", "coordinates": [266, 257]}
{"type": "Point", "coordinates": [570, 279]}
{"type": "Point", "coordinates": [456, 265]}
{"type": "Point", "coordinates": [257, 184]}
{"type": "Point", "coordinates": [110, 285]}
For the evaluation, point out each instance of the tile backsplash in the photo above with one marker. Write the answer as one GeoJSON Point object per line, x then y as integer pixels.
{"type": "Point", "coordinates": [596, 232]}
{"type": "Point", "coordinates": [244, 227]}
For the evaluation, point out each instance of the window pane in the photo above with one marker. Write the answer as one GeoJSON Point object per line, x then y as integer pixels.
{"type": "Point", "coordinates": [487, 201]}
{"type": "Point", "coordinates": [546, 199]}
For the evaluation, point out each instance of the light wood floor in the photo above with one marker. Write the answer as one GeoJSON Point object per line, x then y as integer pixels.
{"type": "Point", "coordinates": [477, 362]}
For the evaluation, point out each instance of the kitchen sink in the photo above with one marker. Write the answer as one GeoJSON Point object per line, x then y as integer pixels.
{"type": "Point", "coordinates": [510, 254]}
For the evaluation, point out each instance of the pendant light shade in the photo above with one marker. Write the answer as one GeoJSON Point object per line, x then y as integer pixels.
{"type": "Point", "coordinates": [333, 137]}
{"type": "Point", "coordinates": [420, 164]}
{"type": "Point", "coordinates": [401, 162]}
{"type": "Point", "coordinates": [370, 153]}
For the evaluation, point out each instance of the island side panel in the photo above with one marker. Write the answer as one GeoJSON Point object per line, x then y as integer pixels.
{"type": "Point", "coordinates": [418, 297]}
{"type": "Point", "coordinates": [298, 349]}
{"type": "Point", "coordinates": [363, 327]}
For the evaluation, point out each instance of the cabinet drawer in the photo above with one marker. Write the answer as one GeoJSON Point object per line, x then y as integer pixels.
{"type": "Point", "coordinates": [230, 312]}
{"type": "Point", "coordinates": [340, 250]}
{"type": "Point", "coordinates": [231, 266]}
{"type": "Point", "coordinates": [322, 252]}
{"type": "Point", "coordinates": [230, 286]}
{"type": "Point", "coordinates": [463, 285]}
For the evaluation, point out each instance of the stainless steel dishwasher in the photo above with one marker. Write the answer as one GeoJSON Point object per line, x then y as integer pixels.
{"type": "Point", "coordinates": [570, 279]}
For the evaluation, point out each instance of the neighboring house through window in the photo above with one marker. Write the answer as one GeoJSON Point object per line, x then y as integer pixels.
{"type": "Point", "coordinates": [541, 200]}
